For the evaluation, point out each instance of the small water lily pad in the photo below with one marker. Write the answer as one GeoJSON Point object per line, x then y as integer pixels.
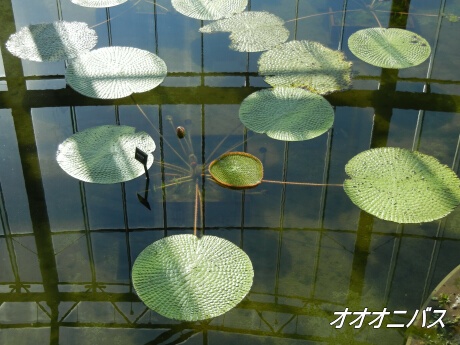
{"type": "Point", "coordinates": [237, 170]}
{"type": "Point", "coordinates": [401, 186]}
{"type": "Point", "coordinates": [251, 31]}
{"type": "Point", "coordinates": [306, 64]}
{"type": "Point", "coordinates": [209, 9]}
{"type": "Point", "coordinates": [389, 48]}
{"type": "Point", "coordinates": [105, 154]}
{"type": "Point", "coordinates": [184, 277]}
{"type": "Point", "coordinates": [52, 41]}
{"type": "Point", "coordinates": [98, 3]}
{"type": "Point", "coordinates": [115, 72]}
{"type": "Point", "coordinates": [287, 113]}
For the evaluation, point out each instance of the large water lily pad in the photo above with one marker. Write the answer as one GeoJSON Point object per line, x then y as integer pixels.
{"type": "Point", "coordinates": [52, 41]}
{"type": "Point", "coordinates": [98, 3]}
{"type": "Point", "coordinates": [251, 31]}
{"type": "Point", "coordinates": [287, 113]}
{"type": "Point", "coordinates": [237, 170]}
{"type": "Point", "coordinates": [389, 48]}
{"type": "Point", "coordinates": [306, 64]}
{"type": "Point", "coordinates": [184, 277]}
{"type": "Point", "coordinates": [401, 186]}
{"type": "Point", "coordinates": [209, 9]}
{"type": "Point", "coordinates": [105, 154]}
{"type": "Point", "coordinates": [115, 72]}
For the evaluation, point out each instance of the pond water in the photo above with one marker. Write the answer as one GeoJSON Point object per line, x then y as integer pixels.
{"type": "Point", "coordinates": [67, 247]}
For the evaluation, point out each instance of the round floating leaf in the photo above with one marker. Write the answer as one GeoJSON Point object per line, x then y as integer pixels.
{"type": "Point", "coordinates": [401, 186]}
{"type": "Point", "coordinates": [98, 3]}
{"type": "Point", "coordinates": [306, 64]}
{"type": "Point", "coordinates": [389, 48]}
{"type": "Point", "coordinates": [287, 113]}
{"type": "Point", "coordinates": [115, 72]}
{"type": "Point", "coordinates": [184, 277]}
{"type": "Point", "coordinates": [237, 170]}
{"type": "Point", "coordinates": [105, 154]}
{"type": "Point", "coordinates": [209, 9]}
{"type": "Point", "coordinates": [251, 31]}
{"type": "Point", "coordinates": [52, 41]}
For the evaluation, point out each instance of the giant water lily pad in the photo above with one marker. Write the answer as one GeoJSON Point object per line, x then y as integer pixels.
{"type": "Point", "coordinates": [115, 72]}
{"type": "Point", "coordinates": [52, 41]}
{"type": "Point", "coordinates": [237, 170]}
{"type": "Point", "coordinates": [105, 154]}
{"type": "Point", "coordinates": [287, 113]}
{"type": "Point", "coordinates": [306, 64]}
{"type": "Point", "coordinates": [251, 31]}
{"type": "Point", "coordinates": [401, 186]}
{"type": "Point", "coordinates": [209, 9]}
{"type": "Point", "coordinates": [389, 48]}
{"type": "Point", "coordinates": [98, 3]}
{"type": "Point", "coordinates": [184, 277]}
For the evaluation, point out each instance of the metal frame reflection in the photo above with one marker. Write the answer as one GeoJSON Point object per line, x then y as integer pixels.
{"type": "Point", "coordinates": [21, 101]}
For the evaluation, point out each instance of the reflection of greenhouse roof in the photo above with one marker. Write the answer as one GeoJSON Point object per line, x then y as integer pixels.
{"type": "Point", "coordinates": [188, 278]}
{"type": "Point", "coordinates": [115, 72]}
{"type": "Point", "coordinates": [52, 41]}
{"type": "Point", "coordinates": [67, 247]}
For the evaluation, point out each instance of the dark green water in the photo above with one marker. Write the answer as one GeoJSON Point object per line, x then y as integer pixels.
{"type": "Point", "coordinates": [67, 248]}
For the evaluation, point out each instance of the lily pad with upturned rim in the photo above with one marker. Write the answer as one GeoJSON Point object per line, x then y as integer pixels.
{"type": "Point", "coordinates": [306, 64]}
{"type": "Point", "coordinates": [237, 170]}
{"type": "Point", "coordinates": [287, 113]}
{"type": "Point", "coordinates": [115, 72]}
{"type": "Point", "coordinates": [209, 9]}
{"type": "Point", "coordinates": [389, 48]}
{"type": "Point", "coordinates": [98, 3]}
{"type": "Point", "coordinates": [105, 154]}
{"type": "Point", "coordinates": [251, 31]}
{"type": "Point", "coordinates": [184, 277]}
{"type": "Point", "coordinates": [56, 41]}
{"type": "Point", "coordinates": [401, 186]}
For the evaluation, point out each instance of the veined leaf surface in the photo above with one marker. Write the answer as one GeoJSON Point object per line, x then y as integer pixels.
{"type": "Point", "coordinates": [401, 186]}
